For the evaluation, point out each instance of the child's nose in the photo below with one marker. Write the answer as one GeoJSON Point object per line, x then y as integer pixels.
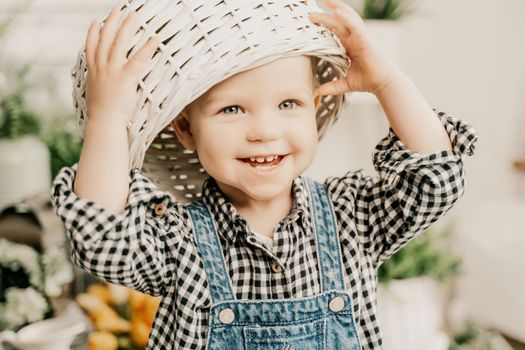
{"type": "Point", "coordinates": [264, 127]}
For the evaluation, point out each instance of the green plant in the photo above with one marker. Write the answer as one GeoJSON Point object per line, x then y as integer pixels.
{"type": "Point", "coordinates": [424, 255]}
{"type": "Point", "coordinates": [63, 139]}
{"type": "Point", "coordinates": [385, 9]}
{"type": "Point", "coordinates": [474, 336]}
{"type": "Point", "coordinates": [15, 119]}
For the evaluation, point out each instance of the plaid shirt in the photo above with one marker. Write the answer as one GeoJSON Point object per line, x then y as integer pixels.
{"type": "Point", "coordinates": [157, 254]}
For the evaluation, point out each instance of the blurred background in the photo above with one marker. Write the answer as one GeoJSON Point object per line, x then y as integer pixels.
{"type": "Point", "coordinates": [458, 286]}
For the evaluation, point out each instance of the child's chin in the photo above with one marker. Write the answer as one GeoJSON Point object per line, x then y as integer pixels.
{"type": "Point", "coordinates": [267, 190]}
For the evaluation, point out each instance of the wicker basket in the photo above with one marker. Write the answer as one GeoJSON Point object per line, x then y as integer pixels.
{"type": "Point", "coordinates": [202, 44]}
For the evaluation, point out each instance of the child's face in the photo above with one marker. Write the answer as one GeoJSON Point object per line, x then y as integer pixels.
{"type": "Point", "coordinates": [266, 111]}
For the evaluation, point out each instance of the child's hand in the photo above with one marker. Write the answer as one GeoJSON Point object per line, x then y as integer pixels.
{"type": "Point", "coordinates": [371, 68]}
{"type": "Point", "coordinates": [111, 85]}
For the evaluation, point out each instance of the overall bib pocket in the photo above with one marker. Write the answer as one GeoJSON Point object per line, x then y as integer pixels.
{"type": "Point", "coordinates": [307, 335]}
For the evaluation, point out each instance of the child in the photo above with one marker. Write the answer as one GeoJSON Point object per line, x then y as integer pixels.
{"type": "Point", "coordinates": [264, 258]}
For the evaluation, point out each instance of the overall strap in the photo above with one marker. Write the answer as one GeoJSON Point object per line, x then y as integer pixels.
{"type": "Point", "coordinates": [210, 251]}
{"type": "Point", "coordinates": [327, 238]}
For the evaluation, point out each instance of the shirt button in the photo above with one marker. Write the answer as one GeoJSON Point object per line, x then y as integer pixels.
{"type": "Point", "coordinates": [276, 267]}
{"type": "Point", "coordinates": [336, 304]}
{"type": "Point", "coordinates": [160, 209]}
{"type": "Point", "coordinates": [226, 316]}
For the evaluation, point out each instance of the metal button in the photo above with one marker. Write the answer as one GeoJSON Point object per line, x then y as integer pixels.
{"type": "Point", "coordinates": [336, 304]}
{"type": "Point", "coordinates": [160, 209]}
{"type": "Point", "coordinates": [276, 267]}
{"type": "Point", "coordinates": [226, 316]}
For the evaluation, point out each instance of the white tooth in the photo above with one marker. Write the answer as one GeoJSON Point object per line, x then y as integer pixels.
{"type": "Point", "coordinates": [269, 159]}
{"type": "Point", "coordinates": [260, 159]}
{"type": "Point", "coordinates": [252, 159]}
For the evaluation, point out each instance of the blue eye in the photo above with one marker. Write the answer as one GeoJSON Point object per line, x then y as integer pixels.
{"type": "Point", "coordinates": [225, 108]}
{"type": "Point", "coordinates": [236, 106]}
{"type": "Point", "coordinates": [293, 101]}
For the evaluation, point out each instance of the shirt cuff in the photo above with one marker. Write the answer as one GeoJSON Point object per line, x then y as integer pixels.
{"type": "Point", "coordinates": [391, 156]}
{"type": "Point", "coordinates": [142, 192]}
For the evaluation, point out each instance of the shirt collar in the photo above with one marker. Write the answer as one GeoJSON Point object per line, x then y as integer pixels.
{"type": "Point", "coordinates": [222, 209]}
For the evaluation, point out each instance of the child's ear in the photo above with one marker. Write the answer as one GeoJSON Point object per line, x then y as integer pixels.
{"type": "Point", "coordinates": [181, 126]}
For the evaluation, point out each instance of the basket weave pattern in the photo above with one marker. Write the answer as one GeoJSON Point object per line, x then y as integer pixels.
{"type": "Point", "coordinates": [203, 43]}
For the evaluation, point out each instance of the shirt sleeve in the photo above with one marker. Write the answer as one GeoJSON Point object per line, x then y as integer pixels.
{"type": "Point", "coordinates": [412, 190]}
{"type": "Point", "coordinates": [128, 248]}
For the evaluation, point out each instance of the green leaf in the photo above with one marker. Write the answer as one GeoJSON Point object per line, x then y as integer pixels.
{"type": "Point", "coordinates": [424, 255]}
{"type": "Point", "coordinates": [16, 120]}
{"type": "Point", "coordinates": [385, 9]}
{"type": "Point", "coordinates": [64, 142]}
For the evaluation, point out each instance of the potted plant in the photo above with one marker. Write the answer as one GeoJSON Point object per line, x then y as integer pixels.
{"type": "Point", "coordinates": [31, 151]}
{"type": "Point", "coordinates": [24, 158]}
{"type": "Point", "coordinates": [411, 293]}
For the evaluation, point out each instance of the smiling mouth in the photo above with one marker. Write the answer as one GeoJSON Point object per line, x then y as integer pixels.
{"type": "Point", "coordinates": [263, 162]}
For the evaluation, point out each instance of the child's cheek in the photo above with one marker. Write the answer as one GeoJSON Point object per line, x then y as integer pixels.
{"type": "Point", "coordinates": [217, 146]}
{"type": "Point", "coordinates": [305, 135]}
{"type": "Point", "coordinates": [305, 142]}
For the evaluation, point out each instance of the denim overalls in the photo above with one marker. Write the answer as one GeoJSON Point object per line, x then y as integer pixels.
{"type": "Point", "coordinates": [320, 322]}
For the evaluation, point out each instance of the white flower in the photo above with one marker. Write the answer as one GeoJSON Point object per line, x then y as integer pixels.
{"type": "Point", "coordinates": [15, 256]}
{"type": "Point", "coordinates": [24, 306]}
{"type": "Point", "coordinates": [47, 273]}
{"type": "Point", "coordinates": [57, 271]}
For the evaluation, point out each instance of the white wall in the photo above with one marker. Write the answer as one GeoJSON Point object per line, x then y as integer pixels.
{"type": "Point", "coordinates": [468, 57]}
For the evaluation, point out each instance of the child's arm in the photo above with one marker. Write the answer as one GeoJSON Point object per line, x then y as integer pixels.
{"type": "Point", "coordinates": [412, 191]}
{"type": "Point", "coordinates": [420, 165]}
{"type": "Point", "coordinates": [102, 174]}
{"type": "Point", "coordinates": [411, 117]}
{"type": "Point", "coordinates": [108, 209]}
{"type": "Point", "coordinates": [111, 96]}
{"type": "Point", "coordinates": [135, 247]}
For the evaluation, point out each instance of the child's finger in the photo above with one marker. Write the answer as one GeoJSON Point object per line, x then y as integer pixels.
{"type": "Point", "coordinates": [335, 87]}
{"type": "Point", "coordinates": [107, 34]}
{"type": "Point", "coordinates": [346, 19]}
{"type": "Point", "coordinates": [136, 62]}
{"type": "Point", "coordinates": [118, 48]}
{"type": "Point", "coordinates": [91, 44]}
{"type": "Point", "coordinates": [331, 23]}
{"type": "Point", "coordinates": [344, 10]}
